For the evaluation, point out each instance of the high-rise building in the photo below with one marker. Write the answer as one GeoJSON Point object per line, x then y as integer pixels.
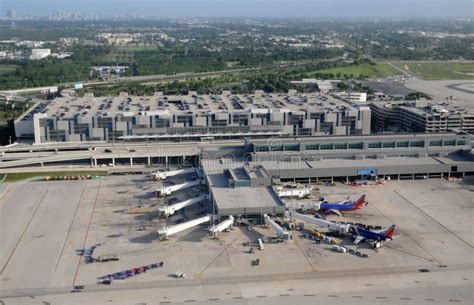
{"type": "Point", "coordinates": [11, 14]}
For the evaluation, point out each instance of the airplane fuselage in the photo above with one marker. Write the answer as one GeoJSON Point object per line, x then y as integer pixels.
{"type": "Point", "coordinates": [343, 206]}
{"type": "Point", "coordinates": [367, 234]}
{"type": "Point", "coordinates": [338, 207]}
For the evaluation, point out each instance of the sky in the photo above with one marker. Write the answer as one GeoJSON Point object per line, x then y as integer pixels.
{"type": "Point", "coordinates": [249, 8]}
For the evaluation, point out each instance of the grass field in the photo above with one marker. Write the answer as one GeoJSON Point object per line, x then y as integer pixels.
{"type": "Point", "coordinates": [439, 70]}
{"type": "Point", "coordinates": [13, 177]}
{"type": "Point", "coordinates": [379, 70]}
{"type": "Point", "coordinates": [4, 69]}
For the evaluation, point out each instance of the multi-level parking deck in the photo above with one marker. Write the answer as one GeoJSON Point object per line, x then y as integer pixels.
{"type": "Point", "coordinates": [158, 117]}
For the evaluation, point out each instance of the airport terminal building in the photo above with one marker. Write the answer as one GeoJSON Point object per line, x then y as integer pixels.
{"type": "Point", "coordinates": [351, 157]}
{"type": "Point", "coordinates": [158, 117]}
{"type": "Point", "coordinates": [240, 181]}
{"type": "Point", "coordinates": [242, 190]}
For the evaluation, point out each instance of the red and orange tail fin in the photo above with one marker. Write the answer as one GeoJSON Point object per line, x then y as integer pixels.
{"type": "Point", "coordinates": [389, 232]}
{"type": "Point", "coordinates": [360, 202]}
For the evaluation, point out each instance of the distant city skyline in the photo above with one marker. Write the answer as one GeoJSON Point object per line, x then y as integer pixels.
{"type": "Point", "coordinates": [247, 8]}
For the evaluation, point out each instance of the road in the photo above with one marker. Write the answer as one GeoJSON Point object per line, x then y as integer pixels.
{"type": "Point", "coordinates": [16, 156]}
{"type": "Point", "coordinates": [111, 145]}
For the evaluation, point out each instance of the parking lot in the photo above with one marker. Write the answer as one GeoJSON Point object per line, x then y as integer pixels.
{"type": "Point", "coordinates": [42, 224]}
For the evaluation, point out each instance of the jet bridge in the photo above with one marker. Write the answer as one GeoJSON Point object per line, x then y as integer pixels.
{"type": "Point", "coordinates": [168, 210]}
{"type": "Point", "coordinates": [166, 232]}
{"type": "Point", "coordinates": [294, 191]}
{"type": "Point", "coordinates": [224, 225]}
{"type": "Point", "coordinates": [334, 227]}
{"type": "Point", "coordinates": [280, 232]}
{"type": "Point", "coordinates": [163, 175]}
{"type": "Point", "coordinates": [303, 206]}
{"type": "Point", "coordinates": [168, 190]}
{"type": "Point", "coordinates": [244, 221]}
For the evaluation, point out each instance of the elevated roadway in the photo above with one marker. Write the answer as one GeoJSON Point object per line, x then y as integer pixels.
{"type": "Point", "coordinates": [31, 155]}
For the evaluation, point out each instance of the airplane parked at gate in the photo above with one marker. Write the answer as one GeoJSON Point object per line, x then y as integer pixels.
{"type": "Point", "coordinates": [376, 237]}
{"type": "Point", "coordinates": [343, 206]}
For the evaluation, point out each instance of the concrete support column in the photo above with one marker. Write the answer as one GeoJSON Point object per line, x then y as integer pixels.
{"type": "Point", "coordinates": [413, 176]}
{"type": "Point", "coordinates": [131, 161]}
{"type": "Point", "coordinates": [427, 176]}
{"type": "Point", "coordinates": [149, 161]}
{"type": "Point", "coordinates": [41, 163]}
{"type": "Point", "coordinates": [95, 161]}
{"type": "Point", "coordinates": [449, 175]}
{"type": "Point", "coordinates": [113, 161]}
{"type": "Point", "coordinates": [166, 161]}
{"type": "Point", "coordinates": [92, 161]}
{"type": "Point", "coordinates": [398, 176]}
{"type": "Point", "coordinates": [347, 179]}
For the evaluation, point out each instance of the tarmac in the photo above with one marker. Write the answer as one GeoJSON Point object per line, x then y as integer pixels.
{"type": "Point", "coordinates": [42, 224]}
{"type": "Point", "coordinates": [460, 90]}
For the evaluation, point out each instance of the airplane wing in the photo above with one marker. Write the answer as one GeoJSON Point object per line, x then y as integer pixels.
{"type": "Point", "coordinates": [358, 239]}
{"type": "Point", "coordinates": [338, 213]}
{"type": "Point", "coordinates": [345, 201]}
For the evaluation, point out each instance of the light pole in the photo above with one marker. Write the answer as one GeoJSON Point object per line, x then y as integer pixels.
{"type": "Point", "coordinates": [26, 83]}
